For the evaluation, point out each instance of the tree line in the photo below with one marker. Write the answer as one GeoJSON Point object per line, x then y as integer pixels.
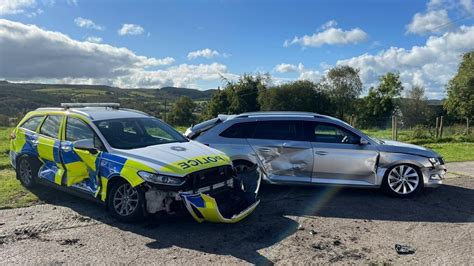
{"type": "Point", "coordinates": [338, 94]}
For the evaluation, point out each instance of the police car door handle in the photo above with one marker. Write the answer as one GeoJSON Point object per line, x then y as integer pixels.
{"type": "Point", "coordinates": [34, 142]}
{"type": "Point", "coordinates": [321, 152]}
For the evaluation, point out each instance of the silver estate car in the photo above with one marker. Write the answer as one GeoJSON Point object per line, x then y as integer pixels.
{"type": "Point", "coordinates": [308, 148]}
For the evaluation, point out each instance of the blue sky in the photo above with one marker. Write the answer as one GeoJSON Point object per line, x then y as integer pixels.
{"type": "Point", "coordinates": [192, 43]}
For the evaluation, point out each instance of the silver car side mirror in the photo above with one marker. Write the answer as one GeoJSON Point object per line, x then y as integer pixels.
{"type": "Point", "coordinates": [363, 141]}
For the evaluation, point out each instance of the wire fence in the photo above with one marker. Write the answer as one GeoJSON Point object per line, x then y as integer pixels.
{"type": "Point", "coordinates": [435, 129]}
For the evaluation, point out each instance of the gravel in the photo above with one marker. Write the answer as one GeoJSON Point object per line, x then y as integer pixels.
{"type": "Point", "coordinates": [291, 225]}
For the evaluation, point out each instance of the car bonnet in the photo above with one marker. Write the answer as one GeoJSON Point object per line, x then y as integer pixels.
{"type": "Point", "coordinates": [179, 158]}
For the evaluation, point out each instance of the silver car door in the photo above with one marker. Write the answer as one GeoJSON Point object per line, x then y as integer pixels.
{"type": "Point", "coordinates": [339, 158]}
{"type": "Point", "coordinates": [282, 152]}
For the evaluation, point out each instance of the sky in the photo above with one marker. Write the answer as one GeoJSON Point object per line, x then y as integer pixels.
{"type": "Point", "coordinates": [194, 44]}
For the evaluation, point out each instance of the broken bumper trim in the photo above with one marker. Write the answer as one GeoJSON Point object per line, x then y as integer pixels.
{"type": "Point", "coordinates": [205, 208]}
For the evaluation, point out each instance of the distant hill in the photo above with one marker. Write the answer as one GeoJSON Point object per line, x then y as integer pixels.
{"type": "Point", "coordinates": [19, 98]}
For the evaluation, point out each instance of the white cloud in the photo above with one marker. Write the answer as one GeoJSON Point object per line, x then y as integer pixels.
{"type": "Point", "coordinates": [431, 22]}
{"type": "Point", "coordinates": [9, 7]}
{"type": "Point", "coordinates": [287, 68]}
{"type": "Point", "coordinates": [329, 35]}
{"type": "Point", "coordinates": [468, 6]}
{"type": "Point", "coordinates": [181, 76]}
{"type": "Point", "coordinates": [37, 55]}
{"type": "Point", "coordinates": [300, 69]}
{"type": "Point", "coordinates": [87, 23]}
{"type": "Point", "coordinates": [131, 29]}
{"type": "Point", "coordinates": [94, 39]}
{"type": "Point", "coordinates": [330, 24]}
{"type": "Point", "coordinates": [432, 4]}
{"type": "Point", "coordinates": [312, 75]}
{"type": "Point", "coordinates": [33, 14]}
{"type": "Point", "coordinates": [72, 2]}
{"type": "Point", "coordinates": [34, 52]}
{"type": "Point", "coordinates": [206, 53]}
{"type": "Point", "coordinates": [431, 65]}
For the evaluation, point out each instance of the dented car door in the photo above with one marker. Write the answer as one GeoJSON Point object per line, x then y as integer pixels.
{"type": "Point", "coordinates": [282, 151]}
{"type": "Point", "coordinates": [339, 156]}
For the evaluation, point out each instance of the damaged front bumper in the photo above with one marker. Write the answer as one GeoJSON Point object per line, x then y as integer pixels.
{"type": "Point", "coordinates": [229, 205]}
{"type": "Point", "coordinates": [433, 176]}
{"type": "Point", "coordinates": [205, 208]}
{"type": "Point", "coordinates": [229, 201]}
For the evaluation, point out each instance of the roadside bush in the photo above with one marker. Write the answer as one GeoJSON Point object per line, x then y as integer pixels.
{"type": "Point", "coordinates": [421, 132]}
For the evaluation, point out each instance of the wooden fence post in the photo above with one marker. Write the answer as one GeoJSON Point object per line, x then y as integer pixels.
{"type": "Point", "coordinates": [437, 128]}
{"type": "Point", "coordinates": [393, 127]}
{"type": "Point", "coordinates": [441, 127]}
{"type": "Point", "coordinates": [396, 128]}
{"type": "Point", "coordinates": [467, 125]}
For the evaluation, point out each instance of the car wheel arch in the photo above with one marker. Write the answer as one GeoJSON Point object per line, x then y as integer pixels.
{"type": "Point", "coordinates": [114, 181]}
{"type": "Point", "coordinates": [27, 156]}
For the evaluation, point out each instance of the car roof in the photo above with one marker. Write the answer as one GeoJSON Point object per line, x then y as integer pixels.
{"type": "Point", "coordinates": [101, 113]}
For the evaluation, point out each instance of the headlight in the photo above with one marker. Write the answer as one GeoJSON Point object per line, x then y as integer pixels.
{"type": "Point", "coordinates": [434, 161]}
{"type": "Point", "coordinates": [161, 179]}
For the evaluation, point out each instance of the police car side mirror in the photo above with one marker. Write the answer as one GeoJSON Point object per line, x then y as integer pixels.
{"type": "Point", "coordinates": [86, 145]}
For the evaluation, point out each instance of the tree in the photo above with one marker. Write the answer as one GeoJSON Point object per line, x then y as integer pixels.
{"type": "Point", "coordinates": [460, 89]}
{"type": "Point", "coordinates": [219, 104]}
{"type": "Point", "coordinates": [344, 86]}
{"type": "Point", "coordinates": [4, 121]}
{"type": "Point", "coordinates": [301, 95]}
{"type": "Point", "coordinates": [414, 107]}
{"type": "Point", "coordinates": [379, 102]}
{"type": "Point", "coordinates": [243, 94]}
{"type": "Point", "coordinates": [182, 112]}
{"type": "Point", "coordinates": [238, 97]}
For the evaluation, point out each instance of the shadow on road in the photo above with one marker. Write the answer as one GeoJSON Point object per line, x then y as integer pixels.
{"type": "Point", "coordinates": [270, 222]}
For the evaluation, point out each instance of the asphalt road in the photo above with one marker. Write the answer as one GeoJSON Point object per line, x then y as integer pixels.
{"type": "Point", "coordinates": [292, 225]}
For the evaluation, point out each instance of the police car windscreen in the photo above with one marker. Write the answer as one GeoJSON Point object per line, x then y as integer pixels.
{"type": "Point", "coordinates": [131, 133]}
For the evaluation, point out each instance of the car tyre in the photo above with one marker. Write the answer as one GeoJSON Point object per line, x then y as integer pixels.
{"type": "Point", "coordinates": [126, 203]}
{"type": "Point", "coordinates": [403, 181]}
{"type": "Point", "coordinates": [27, 169]}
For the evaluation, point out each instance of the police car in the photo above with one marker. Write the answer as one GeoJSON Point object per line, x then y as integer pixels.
{"type": "Point", "coordinates": [132, 162]}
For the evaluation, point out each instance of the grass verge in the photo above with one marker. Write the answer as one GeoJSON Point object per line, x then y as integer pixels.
{"type": "Point", "coordinates": [12, 193]}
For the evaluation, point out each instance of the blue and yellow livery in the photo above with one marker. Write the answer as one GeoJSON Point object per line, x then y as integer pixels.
{"type": "Point", "coordinates": [134, 163]}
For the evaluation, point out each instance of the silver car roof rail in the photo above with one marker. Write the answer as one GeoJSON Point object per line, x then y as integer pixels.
{"type": "Point", "coordinates": [281, 114]}
{"type": "Point", "coordinates": [81, 105]}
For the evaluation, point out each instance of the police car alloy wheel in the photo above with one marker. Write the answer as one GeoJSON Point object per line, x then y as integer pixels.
{"type": "Point", "coordinates": [126, 202]}
{"type": "Point", "coordinates": [26, 172]}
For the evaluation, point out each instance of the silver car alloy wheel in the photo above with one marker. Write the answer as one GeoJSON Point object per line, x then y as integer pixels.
{"type": "Point", "coordinates": [403, 179]}
{"type": "Point", "coordinates": [26, 174]}
{"type": "Point", "coordinates": [125, 200]}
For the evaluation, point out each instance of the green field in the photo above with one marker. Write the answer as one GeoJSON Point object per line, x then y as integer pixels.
{"type": "Point", "coordinates": [13, 195]}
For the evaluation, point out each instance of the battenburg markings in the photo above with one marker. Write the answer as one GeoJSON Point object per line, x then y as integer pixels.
{"type": "Point", "coordinates": [201, 161]}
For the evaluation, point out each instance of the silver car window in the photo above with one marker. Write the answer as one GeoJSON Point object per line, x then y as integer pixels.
{"type": "Point", "coordinates": [279, 129]}
{"type": "Point", "coordinates": [239, 130]}
{"type": "Point", "coordinates": [330, 133]}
